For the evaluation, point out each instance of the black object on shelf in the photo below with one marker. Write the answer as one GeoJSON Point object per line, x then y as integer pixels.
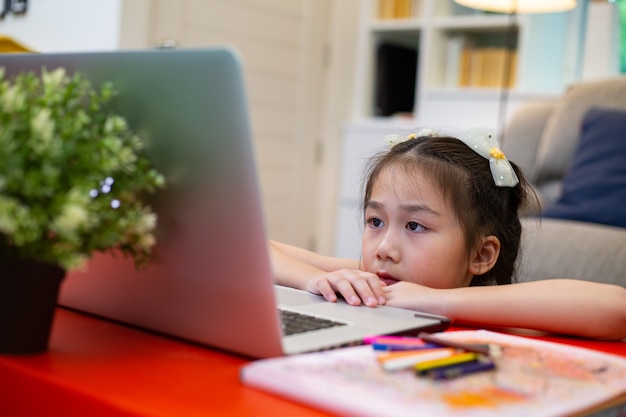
{"type": "Point", "coordinates": [396, 73]}
{"type": "Point", "coordinates": [17, 7]}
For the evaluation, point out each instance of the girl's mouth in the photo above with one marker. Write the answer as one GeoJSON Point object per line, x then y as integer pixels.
{"type": "Point", "coordinates": [387, 279]}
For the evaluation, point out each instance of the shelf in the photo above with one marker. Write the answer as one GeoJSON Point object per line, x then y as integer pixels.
{"type": "Point", "coordinates": [477, 22]}
{"type": "Point", "coordinates": [472, 94]}
{"type": "Point", "coordinates": [457, 48]}
{"type": "Point", "coordinates": [396, 25]}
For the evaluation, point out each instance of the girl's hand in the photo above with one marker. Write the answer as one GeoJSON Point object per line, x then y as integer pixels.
{"type": "Point", "coordinates": [414, 297]}
{"type": "Point", "coordinates": [353, 285]}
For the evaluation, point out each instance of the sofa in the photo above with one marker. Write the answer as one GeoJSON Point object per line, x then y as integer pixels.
{"type": "Point", "coordinates": [573, 152]}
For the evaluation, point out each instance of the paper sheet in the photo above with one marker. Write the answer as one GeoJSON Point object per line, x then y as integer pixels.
{"type": "Point", "coordinates": [532, 378]}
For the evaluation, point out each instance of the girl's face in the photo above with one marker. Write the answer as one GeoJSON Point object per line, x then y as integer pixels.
{"type": "Point", "coordinates": [412, 234]}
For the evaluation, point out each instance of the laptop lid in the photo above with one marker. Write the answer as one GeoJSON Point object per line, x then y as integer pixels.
{"type": "Point", "coordinates": [210, 280]}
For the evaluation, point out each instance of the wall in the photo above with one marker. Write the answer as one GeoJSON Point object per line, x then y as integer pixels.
{"type": "Point", "coordinates": [66, 25]}
{"type": "Point", "coordinates": [602, 40]}
{"type": "Point", "coordinates": [281, 44]}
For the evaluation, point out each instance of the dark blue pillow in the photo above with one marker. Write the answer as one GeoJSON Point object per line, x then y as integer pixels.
{"type": "Point", "coordinates": [594, 189]}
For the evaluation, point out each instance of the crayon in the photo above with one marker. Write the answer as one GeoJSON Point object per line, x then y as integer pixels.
{"type": "Point", "coordinates": [393, 343]}
{"type": "Point", "coordinates": [370, 340]}
{"type": "Point", "coordinates": [401, 360]}
{"type": "Point", "coordinates": [391, 347]}
{"type": "Point", "coordinates": [484, 349]}
{"type": "Point", "coordinates": [447, 361]}
{"type": "Point", "coordinates": [458, 370]}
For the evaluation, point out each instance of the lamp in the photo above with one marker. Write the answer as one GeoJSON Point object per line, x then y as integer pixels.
{"type": "Point", "coordinates": [513, 8]}
{"type": "Point", "coordinates": [519, 6]}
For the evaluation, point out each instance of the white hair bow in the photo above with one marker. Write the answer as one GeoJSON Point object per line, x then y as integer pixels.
{"type": "Point", "coordinates": [394, 139]}
{"type": "Point", "coordinates": [484, 142]}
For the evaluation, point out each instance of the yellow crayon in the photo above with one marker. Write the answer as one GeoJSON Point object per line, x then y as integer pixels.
{"type": "Point", "coordinates": [450, 360]}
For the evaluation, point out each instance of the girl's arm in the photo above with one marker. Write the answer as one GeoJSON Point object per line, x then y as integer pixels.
{"type": "Point", "coordinates": [574, 307]}
{"type": "Point", "coordinates": [325, 263]}
{"type": "Point", "coordinates": [302, 269]}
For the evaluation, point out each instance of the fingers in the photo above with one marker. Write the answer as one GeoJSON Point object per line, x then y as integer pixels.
{"type": "Point", "coordinates": [345, 288]}
{"type": "Point", "coordinates": [355, 287]}
{"type": "Point", "coordinates": [369, 289]}
{"type": "Point", "coordinates": [327, 291]}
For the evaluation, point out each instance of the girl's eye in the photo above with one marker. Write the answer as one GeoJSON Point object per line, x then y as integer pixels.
{"type": "Point", "coordinates": [415, 227]}
{"type": "Point", "coordinates": [375, 222]}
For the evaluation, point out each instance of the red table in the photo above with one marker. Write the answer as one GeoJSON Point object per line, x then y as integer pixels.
{"type": "Point", "coordinates": [97, 368]}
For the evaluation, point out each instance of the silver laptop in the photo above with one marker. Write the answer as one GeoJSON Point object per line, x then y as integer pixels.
{"type": "Point", "coordinates": [210, 281]}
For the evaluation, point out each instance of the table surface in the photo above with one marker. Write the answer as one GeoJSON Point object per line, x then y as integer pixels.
{"type": "Point", "coordinates": [98, 368]}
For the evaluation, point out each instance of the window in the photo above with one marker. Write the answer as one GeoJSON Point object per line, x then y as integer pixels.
{"type": "Point", "coordinates": [621, 5]}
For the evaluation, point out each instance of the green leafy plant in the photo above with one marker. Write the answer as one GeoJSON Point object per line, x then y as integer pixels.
{"type": "Point", "coordinates": [73, 175]}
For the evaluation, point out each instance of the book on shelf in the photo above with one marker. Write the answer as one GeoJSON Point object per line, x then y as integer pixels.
{"type": "Point", "coordinates": [493, 67]}
{"type": "Point", "coordinates": [395, 9]}
{"type": "Point", "coordinates": [531, 378]}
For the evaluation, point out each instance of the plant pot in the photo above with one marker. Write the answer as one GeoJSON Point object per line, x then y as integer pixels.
{"type": "Point", "coordinates": [28, 298]}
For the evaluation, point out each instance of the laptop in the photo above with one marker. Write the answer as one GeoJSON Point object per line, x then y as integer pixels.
{"type": "Point", "coordinates": [210, 281]}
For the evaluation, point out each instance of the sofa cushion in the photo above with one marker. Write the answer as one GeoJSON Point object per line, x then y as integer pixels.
{"type": "Point", "coordinates": [521, 139]}
{"type": "Point", "coordinates": [560, 136]}
{"type": "Point", "coordinates": [594, 189]}
{"type": "Point", "coordinates": [554, 248]}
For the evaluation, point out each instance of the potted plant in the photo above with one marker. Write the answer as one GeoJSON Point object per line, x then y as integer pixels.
{"type": "Point", "coordinates": [73, 177]}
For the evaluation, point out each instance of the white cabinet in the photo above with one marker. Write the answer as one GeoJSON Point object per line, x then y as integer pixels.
{"type": "Point", "coordinates": [361, 141]}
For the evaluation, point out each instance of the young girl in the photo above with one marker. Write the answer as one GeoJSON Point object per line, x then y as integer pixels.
{"type": "Point", "coordinates": [442, 233]}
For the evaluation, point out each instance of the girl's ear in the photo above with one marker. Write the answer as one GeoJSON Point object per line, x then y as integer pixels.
{"type": "Point", "coordinates": [485, 256]}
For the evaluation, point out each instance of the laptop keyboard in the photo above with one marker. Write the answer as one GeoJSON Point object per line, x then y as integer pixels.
{"type": "Point", "coordinates": [293, 323]}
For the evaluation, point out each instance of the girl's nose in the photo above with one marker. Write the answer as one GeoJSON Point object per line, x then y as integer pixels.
{"type": "Point", "coordinates": [388, 248]}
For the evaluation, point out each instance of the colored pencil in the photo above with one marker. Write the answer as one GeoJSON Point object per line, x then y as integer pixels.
{"type": "Point", "coordinates": [446, 361]}
{"type": "Point", "coordinates": [458, 370]}
{"type": "Point", "coordinates": [484, 349]}
{"type": "Point", "coordinates": [398, 343]}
